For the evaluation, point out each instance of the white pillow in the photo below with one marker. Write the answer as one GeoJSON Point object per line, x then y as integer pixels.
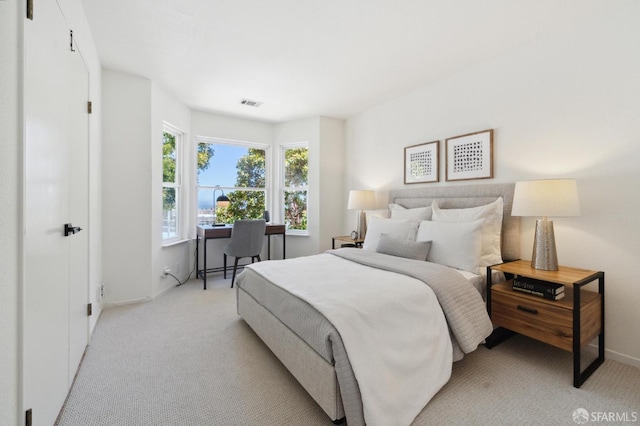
{"type": "Point", "coordinates": [381, 213]}
{"type": "Point", "coordinates": [490, 253]}
{"type": "Point", "coordinates": [419, 213]}
{"type": "Point", "coordinates": [453, 244]}
{"type": "Point", "coordinates": [396, 228]}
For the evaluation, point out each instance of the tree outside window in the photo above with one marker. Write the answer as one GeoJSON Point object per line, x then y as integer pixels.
{"type": "Point", "coordinates": [295, 186]}
{"type": "Point", "coordinates": [237, 170]}
{"type": "Point", "coordinates": [170, 186]}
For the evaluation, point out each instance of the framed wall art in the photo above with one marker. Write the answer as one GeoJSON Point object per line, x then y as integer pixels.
{"type": "Point", "coordinates": [421, 163]}
{"type": "Point", "coordinates": [470, 156]}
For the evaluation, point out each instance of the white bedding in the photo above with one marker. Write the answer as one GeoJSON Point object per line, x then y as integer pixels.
{"type": "Point", "coordinates": [372, 310]}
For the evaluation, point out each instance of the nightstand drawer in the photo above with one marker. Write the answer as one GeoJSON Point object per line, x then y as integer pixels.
{"type": "Point", "coordinates": [545, 320]}
{"type": "Point", "coordinates": [533, 318]}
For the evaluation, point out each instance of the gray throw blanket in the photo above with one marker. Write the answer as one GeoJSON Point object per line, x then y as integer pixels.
{"type": "Point", "coordinates": [461, 303]}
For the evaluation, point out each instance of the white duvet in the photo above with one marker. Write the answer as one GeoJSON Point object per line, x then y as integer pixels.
{"type": "Point", "coordinates": [392, 327]}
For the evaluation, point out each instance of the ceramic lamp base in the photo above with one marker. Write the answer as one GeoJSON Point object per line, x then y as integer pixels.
{"type": "Point", "coordinates": [544, 254]}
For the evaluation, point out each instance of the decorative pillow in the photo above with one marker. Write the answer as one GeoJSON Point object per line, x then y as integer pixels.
{"type": "Point", "coordinates": [491, 213]}
{"type": "Point", "coordinates": [397, 228]}
{"type": "Point", "coordinates": [453, 244]}
{"type": "Point", "coordinates": [419, 213]}
{"type": "Point", "coordinates": [417, 250]}
{"type": "Point", "coordinates": [380, 213]}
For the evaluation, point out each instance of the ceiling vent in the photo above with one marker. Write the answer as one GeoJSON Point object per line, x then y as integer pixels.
{"type": "Point", "coordinates": [250, 103]}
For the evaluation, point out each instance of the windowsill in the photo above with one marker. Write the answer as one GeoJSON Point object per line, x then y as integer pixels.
{"type": "Point", "coordinates": [174, 242]}
{"type": "Point", "coordinates": [297, 234]}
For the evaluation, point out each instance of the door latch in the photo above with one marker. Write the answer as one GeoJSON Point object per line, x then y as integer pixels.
{"type": "Point", "coordinates": [69, 229]}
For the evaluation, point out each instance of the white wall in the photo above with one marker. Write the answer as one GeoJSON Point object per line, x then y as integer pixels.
{"type": "Point", "coordinates": [178, 257]}
{"type": "Point", "coordinates": [564, 106]}
{"type": "Point", "coordinates": [11, 172]}
{"type": "Point", "coordinates": [331, 168]}
{"type": "Point", "coordinates": [127, 187]}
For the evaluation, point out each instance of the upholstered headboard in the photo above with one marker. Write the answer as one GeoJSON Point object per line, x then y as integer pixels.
{"type": "Point", "coordinates": [462, 196]}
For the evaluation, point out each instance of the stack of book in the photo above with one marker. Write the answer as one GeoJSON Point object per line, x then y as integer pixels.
{"type": "Point", "coordinates": [539, 288]}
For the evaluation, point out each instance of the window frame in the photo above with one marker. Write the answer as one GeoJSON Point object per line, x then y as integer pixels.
{"type": "Point", "coordinates": [246, 144]}
{"type": "Point", "coordinates": [283, 188]}
{"type": "Point", "coordinates": [177, 185]}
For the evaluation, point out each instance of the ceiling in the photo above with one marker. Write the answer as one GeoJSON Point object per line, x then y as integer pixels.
{"type": "Point", "coordinates": [304, 58]}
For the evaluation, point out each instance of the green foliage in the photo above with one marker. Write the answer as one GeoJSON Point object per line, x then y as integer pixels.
{"type": "Point", "coordinates": [295, 175]}
{"type": "Point", "coordinates": [296, 167]}
{"type": "Point", "coordinates": [204, 154]}
{"type": "Point", "coordinates": [295, 209]}
{"type": "Point", "coordinates": [168, 170]}
{"type": "Point", "coordinates": [169, 157]}
{"type": "Point", "coordinates": [248, 204]}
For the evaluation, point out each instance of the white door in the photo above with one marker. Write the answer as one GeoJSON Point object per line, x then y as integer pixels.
{"type": "Point", "coordinates": [54, 274]}
{"type": "Point", "coordinates": [78, 210]}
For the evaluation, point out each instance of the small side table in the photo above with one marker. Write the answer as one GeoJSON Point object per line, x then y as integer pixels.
{"type": "Point", "coordinates": [347, 241]}
{"type": "Point", "coordinates": [569, 323]}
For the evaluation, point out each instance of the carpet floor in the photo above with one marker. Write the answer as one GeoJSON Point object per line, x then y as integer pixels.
{"type": "Point", "coordinates": [188, 359]}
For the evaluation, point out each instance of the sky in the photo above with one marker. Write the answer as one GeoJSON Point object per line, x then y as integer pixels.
{"type": "Point", "coordinates": [221, 171]}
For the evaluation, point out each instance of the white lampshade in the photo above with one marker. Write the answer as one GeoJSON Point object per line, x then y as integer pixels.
{"type": "Point", "coordinates": [361, 200]}
{"type": "Point", "coordinates": [546, 198]}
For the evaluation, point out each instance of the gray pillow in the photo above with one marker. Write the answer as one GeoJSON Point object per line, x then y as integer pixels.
{"type": "Point", "coordinates": [417, 250]}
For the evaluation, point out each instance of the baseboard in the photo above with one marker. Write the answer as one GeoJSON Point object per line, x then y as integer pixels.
{"type": "Point", "coordinates": [615, 356]}
{"type": "Point", "coordinates": [126, 302]}
{"type": "Point", "coordinates": [163, 291]}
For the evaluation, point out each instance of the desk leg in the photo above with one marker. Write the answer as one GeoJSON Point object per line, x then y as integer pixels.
{"type": "Point", "coordinates": [204, 268]}
{"type": "Point", "coordinates": [284, 245]}
{"type": "Point", "coordinates": [197, 256]}
{"type": "Point", "coordinates": [268, 247]}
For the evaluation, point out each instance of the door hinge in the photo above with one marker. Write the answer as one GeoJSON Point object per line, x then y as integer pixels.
{"type": "Point", "coordinates": [30, 9]}
{"type": "Point", "coordinates": [27, 418]}
{"type": "Point", "coordinates": [89, 309]}
{"type": "Point", "coordinates": [89, 107]}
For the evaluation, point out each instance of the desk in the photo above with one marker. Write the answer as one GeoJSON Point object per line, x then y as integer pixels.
{"type": "Point", "coordinates": [208, 232]}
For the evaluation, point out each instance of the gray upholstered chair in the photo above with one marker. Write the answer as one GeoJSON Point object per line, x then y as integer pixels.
{"type": "Point", "coordinates": [247, 239]}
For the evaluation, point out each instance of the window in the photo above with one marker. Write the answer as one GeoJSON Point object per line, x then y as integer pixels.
{"type": "Point", "coordinates": [232, 181]}
{"type": "Point", "coordinates": [171, 184]}
{"type": "Point", "coordinates": [295, 187]}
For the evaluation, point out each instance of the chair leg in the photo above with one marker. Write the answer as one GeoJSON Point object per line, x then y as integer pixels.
{"type": "Point", "coordinates": [235, 267]}
{"type": "Point", "coordinates": [258, 256]}
{"type": "Point", "coordinates": [225, 266]}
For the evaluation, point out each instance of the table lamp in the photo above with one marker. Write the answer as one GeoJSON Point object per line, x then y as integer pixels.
{"type": "Point", "coordinates": [547, 197]}
{"type": "Point", "coordinates": [221, 201]}
{"type": "Point", "coordinates": [361, 200]}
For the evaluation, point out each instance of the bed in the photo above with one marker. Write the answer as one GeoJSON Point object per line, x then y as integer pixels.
{"type": "Point", "coordinates": [317, 336]}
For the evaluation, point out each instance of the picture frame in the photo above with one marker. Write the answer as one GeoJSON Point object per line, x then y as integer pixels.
{"type": "Point", "coordinates": [421, 163]}
{"type": "Point", "coordinates": [470, 156]}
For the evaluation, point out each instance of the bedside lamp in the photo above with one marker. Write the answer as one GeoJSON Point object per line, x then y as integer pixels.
{"type": "Point", "coordinates": [361, 200]}
{"type": "Point", "coordinates": [548, 197]}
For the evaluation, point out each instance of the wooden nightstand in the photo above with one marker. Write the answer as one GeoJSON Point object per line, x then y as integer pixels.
{"type": "Point", "coordinates": [569, 324]}
{"type": "Point", "coordinates": [347, 240]}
